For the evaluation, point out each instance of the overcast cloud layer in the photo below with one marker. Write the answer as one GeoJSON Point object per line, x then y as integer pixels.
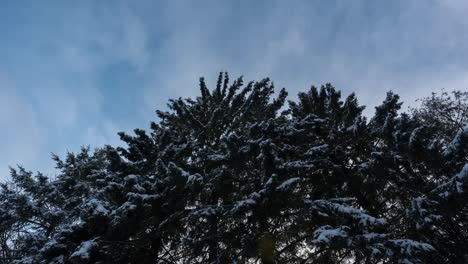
{"type": "Point", "coordinates": [74, 73]}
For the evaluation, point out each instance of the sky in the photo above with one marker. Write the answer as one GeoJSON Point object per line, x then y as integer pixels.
{"type": "Point", "coordinates": [74, 73]}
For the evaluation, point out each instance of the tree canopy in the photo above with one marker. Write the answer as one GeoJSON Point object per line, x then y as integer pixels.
{"type": "Point", "coordinates": [241, 175]}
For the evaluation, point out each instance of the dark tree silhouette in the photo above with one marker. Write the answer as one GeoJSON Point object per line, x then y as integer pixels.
{"type": "Point", "coordinates": [237, 176]}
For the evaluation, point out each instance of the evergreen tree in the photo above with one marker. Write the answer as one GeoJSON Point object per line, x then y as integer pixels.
{"type": "Point", "coordinates": [236, 176]}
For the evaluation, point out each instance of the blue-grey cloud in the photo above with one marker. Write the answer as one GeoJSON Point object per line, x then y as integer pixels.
{"type": "Point", "coordinates": [73, 74]}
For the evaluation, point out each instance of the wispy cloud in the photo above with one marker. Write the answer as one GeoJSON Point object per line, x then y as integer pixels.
{"type": "Point", "coordinates": [73, 74]}
{"type": "Point", "coordinates": [22, 135]}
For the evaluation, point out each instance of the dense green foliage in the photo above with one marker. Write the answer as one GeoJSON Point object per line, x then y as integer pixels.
{"type": "Point", "coordinates": [235, 176]}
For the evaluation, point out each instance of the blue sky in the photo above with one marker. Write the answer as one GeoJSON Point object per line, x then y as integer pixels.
{"type": "Point", "coordinates": [74, 73]}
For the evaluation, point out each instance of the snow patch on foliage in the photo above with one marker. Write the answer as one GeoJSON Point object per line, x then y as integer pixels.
{"type": "Point", "coordinates": [325, 234]}
{"type": "Point", "coordinates": [97, 207]}
{"type": "Point", "coordinates": [414, 135]}
{"type": "Point", "coordinates": [409, 247]}
{"type": "Point", "coordinates": [455, 185]}
{"type": "Point", "coordinates": [288, 183]}
{"type": "Point", "coordinates": [338, 206]}
{"type": "Point", "coordinates": [243, 204]}
{"type": "Point", "coordinates": [298, 164]}
{"type": "Point", "coordinates": [131, 178]}
{"type": "Point", "coordinates": [459, 141]}
{"type": "Point", "coordinates": [317, 149]}
{"type": "Point", "coordinates": [84, 250]}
